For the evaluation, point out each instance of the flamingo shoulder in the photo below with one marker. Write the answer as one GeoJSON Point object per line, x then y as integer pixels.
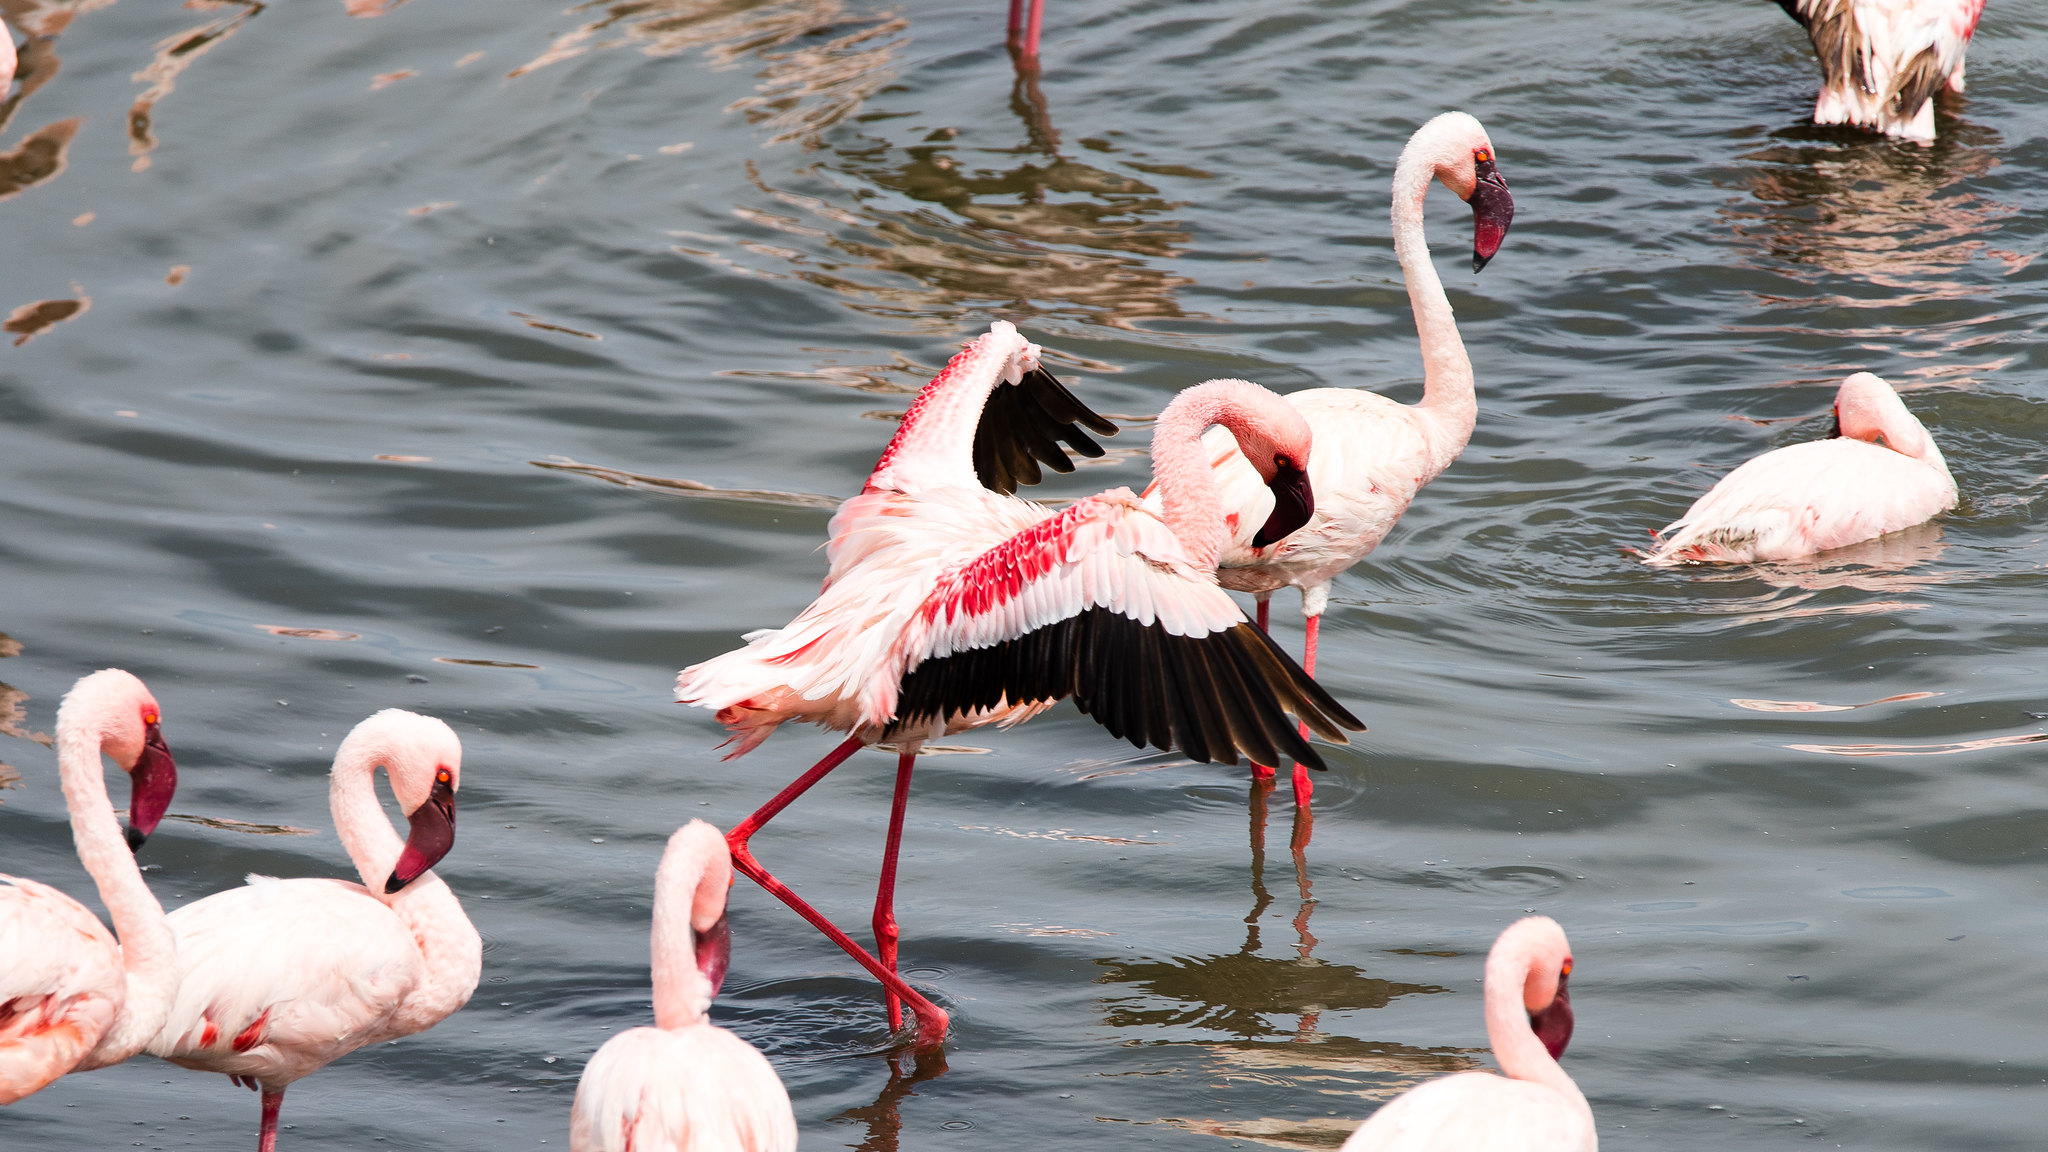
{"type": "Point", "coordinates": [1478, 1112]}
{"type": "Point", "coordinates": [694, 1089]}
{"type": "Point", "coordinates": [61, 985]}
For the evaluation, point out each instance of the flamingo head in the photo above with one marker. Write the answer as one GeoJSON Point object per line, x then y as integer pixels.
{"type": "Point", "coordinates": [424, 761]}
{"type": "Point", "coordinates": [1552, 1023]}
{"type": "Point", "coordinates": [1867, 409]}
{"type": "Point", "coordinates": [1464, 160]}
{"type": "Point", "coordinates": [127, 718]}
{"type": "Point", "coordinates": [1277, 441]}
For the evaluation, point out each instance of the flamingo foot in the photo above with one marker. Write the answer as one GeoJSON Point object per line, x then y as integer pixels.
{"type": "Point", "coordinates": [266, 1140]}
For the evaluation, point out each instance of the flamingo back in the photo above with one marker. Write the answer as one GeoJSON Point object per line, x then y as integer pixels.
{"type": "Point", "coordinates": [1477, 1112]}
{"type": "Point", "coordinates": [61, 985]}
{"type": "Point", "coordinates": [693, 1089]}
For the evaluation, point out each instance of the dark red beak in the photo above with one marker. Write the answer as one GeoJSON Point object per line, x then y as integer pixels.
{"type": "Point", "coordinates": [1293, 504]}
{"type": "Point", "coordinates": [1492, 211]}
{"type": "Point", "coordinates": [151, 784]}
{"type": "Point", "coordinates": [432, 835]}
{"type": "Point", "coordinates": [1553, 1025]}
{"type": "Point", "coordinates": [714, 953]}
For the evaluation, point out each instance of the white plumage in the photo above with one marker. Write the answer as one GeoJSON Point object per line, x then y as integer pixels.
{"type": "Point", "coordinates": [1882, 61]}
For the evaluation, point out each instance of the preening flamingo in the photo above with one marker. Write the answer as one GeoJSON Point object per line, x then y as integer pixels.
{"type": "Point", "coordinates": [279, 977]}
{"type": "Point", "coordinates": [1371, 454]}
{"type": "Point", "coordinates": [684, 1085]}
{"type": "Point", "coordinates": [1879, 473]}
{"type": "Point", "coordinates": [72, 998]}
{"type": "Point", "coordinates": [951, 604]}
{"type": "Point", "coordinates": [1882, 61]}
{"type": "Point", "coordinates": [1535, 1107]}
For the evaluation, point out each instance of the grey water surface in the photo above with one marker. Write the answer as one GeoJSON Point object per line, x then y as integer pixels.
{"type": "Point", "coordinates": [363, 276]}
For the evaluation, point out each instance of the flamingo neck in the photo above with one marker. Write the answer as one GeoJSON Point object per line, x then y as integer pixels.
{"type": "Point", "coordinates": [359, 819]}
{"type": "Point", "coordinates": [683, 888]}
{"type": "Point", "coordinates": [148, 950]}
{"type": "Point", "coordinates": [1447, 395]}
{"type": "Point", "coordinates": [1520, 1054]}
{"type": "Point", "coordinates": [1191, 503]}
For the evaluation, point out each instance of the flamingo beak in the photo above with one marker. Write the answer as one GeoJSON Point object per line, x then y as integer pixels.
{"type": "Point", "coordinates": [431, 836]}
{"type": "Point", "coordinates": [1493, 209]}
{"type": "Point", "coordinates": [1293, 504]}
{"type": "Point", "coordinates": [714, 953]}
{"type": "Point", "coordinates": [151, 783]}
{"type": "Point", "coordinates": [1835, 426]}
{"type": "Point", "coordinates": [1553, 1025]}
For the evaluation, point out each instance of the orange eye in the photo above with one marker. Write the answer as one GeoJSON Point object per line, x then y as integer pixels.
{"type": "Point", "coordinates": [1482, 155]}
{"type": "Point", "coordinates": [441, 777]}
{"type": "Point", "coordinates": [149, 717]}
{"type": "Point", "coordinates": [1567, 969]}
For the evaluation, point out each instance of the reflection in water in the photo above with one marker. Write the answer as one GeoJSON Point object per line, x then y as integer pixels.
{"type": "Point", "coordinates": [1885, 566]}
{"type": "Point", "coordinates": [884, 1117]}
{"type": "Point", "coordinates": [24, 322]}
{"type": "Point", "coordinates": [174, 54]}
{"type": "Point", "coordinates": [38, 159]}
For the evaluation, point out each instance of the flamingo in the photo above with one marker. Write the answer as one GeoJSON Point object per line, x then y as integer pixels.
{"type": "Point", "coordinates": [7, 59]}
{"type": "Point", "coordinates": [1882, 61]}
{"type": "Point", "coordinates": [951, 604]}
{"type": "Point", "coordinates": [684, 1085]}
{"type": "Point", "coordinates": [72, 998]}
{"type": "Point", "coordinates": [1535, 1107]}
{"type": "Point", "coordinates": [279, 977]}
{"type": "Point", "coordinates": [1879, 473]}
{"type": "Point", "coordinates": [1372, 454]}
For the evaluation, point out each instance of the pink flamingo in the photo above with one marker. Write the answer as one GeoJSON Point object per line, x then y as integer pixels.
{"type": "Point", "coordinates": [1372, 454]}
{"type": "Point", "coordinates": [951, 604]}
{"type": "Point", "coordinates": [684, 1084]}
{"type": "Point", "coordinates": [1882, 61]}
{"type": "Point", "coordinates": [1535, 1107]}
{"type": "Point", "coordinates": [1881, 472]}
{"type": "Point", "coordinates": [72, 998]}
{"type": "Point", "coordinates": [279, 977]}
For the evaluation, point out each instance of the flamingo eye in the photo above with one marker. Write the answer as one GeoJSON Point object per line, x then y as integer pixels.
{"type": "Point", "coordinates": [1482, 155]}
{"type": "Point", "coordinates": [1283, 461]}
{"type": "Point", "coordinates": [1567, 969]}
{"type": "Point", "coordinates": [441, 776]}
{"type": "Point", "coordinates": [149, 717]}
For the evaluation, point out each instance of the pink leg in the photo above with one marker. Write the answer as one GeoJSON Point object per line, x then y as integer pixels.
{"type": "Point", "coordinates": [931, 1020]}
{"type": "Point", "coordinates": [1263, 771]}
{"type": "Point", "coordinates": [885, 893]}
{"type": "Point", "coordinates": [1303, 788]}
{"type": "Point", "coordinates": [267, 1140]}
{"type": "Point", "coordinates": [1031, 31]}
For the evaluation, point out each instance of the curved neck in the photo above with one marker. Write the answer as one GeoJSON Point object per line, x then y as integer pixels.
{"type": "Point", "coordinates": [148, 951]}
{"type": "Point", "coordinates": [1191, 504]}
{"type": "Point", "coordinates": [682, 994]}
{"type": "Point", "coordinates": [1446, 371]}
{"type": "Point", "coordinates": [359, 819]}
{"type": "Point", "coordinates": [1521, 1055]}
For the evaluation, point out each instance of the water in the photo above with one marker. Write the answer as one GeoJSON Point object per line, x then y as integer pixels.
{"type": "Point", "coordinates": [419, 253]}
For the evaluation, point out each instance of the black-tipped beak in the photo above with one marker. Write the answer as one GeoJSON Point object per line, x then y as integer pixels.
{"type": "Point", "coordinates": [1553, 1025]}
{"type": "Point", "coordinates": [431, 836]}
{"type": "Point", "coordinates": [1293, 504]}
{"type": "Point", "coordinates": [151, 782]}
{"type": "Point", "coordinates": [714, 953]}
{"type": "Point", "coordinates": [1493, 210]}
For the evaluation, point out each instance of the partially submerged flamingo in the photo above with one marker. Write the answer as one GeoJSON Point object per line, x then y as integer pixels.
{"type": "Point", "coordinates": [1372, 454]}
{"type": "Point", "coordinates": [951, 604]}
{"type": "Point", "coordinates": [72, 997]}
{"type": "Point", "coordinates": [1881, 472]}
{"type": "Point", "coordinates": [1882, 61]}
{"type": "Point", "coordinates": [1534, 1106]}
{"type": "Point", "coordinates": [280, 977]}
{"type": "Point", "coordinates": [685, 1084]}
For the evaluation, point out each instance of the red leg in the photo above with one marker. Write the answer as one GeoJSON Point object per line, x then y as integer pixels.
{"type": "Point", "coordinates": [1304, 789]}
{"type": "Point", "coordinates": [931, 1020]}
{"type": "Point", "coordinates": [1263, 771]}
{"type": "Point", "coordinates": [266, 1141]}
{"type": "Point", "coordinates": [1031, 29]}
{"type": "Point", "coordinates": [885, 893]}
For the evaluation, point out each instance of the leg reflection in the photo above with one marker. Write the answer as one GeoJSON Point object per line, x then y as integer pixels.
{"type": "Point", "coordinates": [884, 1118]}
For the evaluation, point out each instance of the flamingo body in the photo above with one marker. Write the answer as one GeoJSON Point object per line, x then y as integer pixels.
{"type": "Point", "coordinates": [1882, 474]}
{"type": "Point", "coordinates": [1534, 1106]}
{"type": "Point", "coordinates": [1882, 61]}
{"type": "Point", "coordinates": [61, 985]}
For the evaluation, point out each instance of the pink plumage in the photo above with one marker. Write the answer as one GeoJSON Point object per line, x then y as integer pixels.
{"type": "Point", "coordinates": [1882, 61]}
{"type": "Point", "coordinates": [1882, 473]}
{"type": "Point", "coordinates": [7, 59]}
{"type": "Point", "coordinates": [685, 1084]}
{"type": "Point", "coordinates": [72, 997]}
{"type": "Point", "coordinates": [1534, 1106]}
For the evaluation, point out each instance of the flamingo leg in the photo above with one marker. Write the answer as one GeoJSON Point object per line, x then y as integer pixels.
{"type": "Point", "coordinates": [885, 892]}
{"type": "Point", "coordinates": [931, 1019]}
{"type": "Point", "coordinates": [1304, 789]}
{"type": "Point", "coordinates": [1024, 25]}
{"type": "Point", "coordinates": [1265, 771]}
{"type": "Point", "coordinates": [266, 1140]}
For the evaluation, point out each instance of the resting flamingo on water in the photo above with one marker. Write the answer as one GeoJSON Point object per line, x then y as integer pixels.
{"type": "Point", "coordinates": [279, 977]}
{"type": "Point", "coordinates": [1882, 61]}
{"type": "Point", "coordinates": [951, 604]}
{"type": "Point", "coordinates": [1372, 454]}
{"type": "Point", "coordinates": [1879, 473]}
{"type": "Point", "coordinates": [684, 1085]}
{"type": "Point", "coordinates": [1535, 1107]}
{"type": "Point", "coordinates": [72, 998]}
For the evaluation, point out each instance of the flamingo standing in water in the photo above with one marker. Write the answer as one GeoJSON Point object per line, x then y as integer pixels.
{"type": "Point", "coordinates": [685, 1084]}
{"type": "Point", "coordinates": [1371, 454]}
{"type": "Point", "coordinates": [951, 604]}
{"type": "Point", "coordinates": [72, 998]}
{"type": "Point", "coordinates": [279, 977]}
{"type": "Point", "coordinates": [1879, 473]}
{"type": "Point", "coordinates": [1535, 1107]}
{"type": "Point", "coordinates": [1882, 61]}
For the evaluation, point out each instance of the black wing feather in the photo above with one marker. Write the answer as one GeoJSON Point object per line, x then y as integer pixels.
{"type": "Point", "coordinates": [1022, 426]}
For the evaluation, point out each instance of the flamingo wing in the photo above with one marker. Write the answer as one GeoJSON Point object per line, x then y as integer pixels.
{"type": "Point", "coordinates": [693, 1089]}
{"type": "Point", "coordinates": [1022, 426]}
{"type": "Point", "coordinates": [61, 985]}
{"type": "Point", "coordinates": [1807, 498]}
{"type": "Point", "coordinates": [1100, 602]}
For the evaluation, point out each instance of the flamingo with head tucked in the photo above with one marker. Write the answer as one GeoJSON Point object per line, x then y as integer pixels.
{"type": "Point", "coordinates": [951, 604]}
{"type": "Point", "coordinates": [1372, 454]}
{"type": "Point", "coordinates": [685, 1084]}
{"type": "Point", "coordinates": [1882, 61]}
{"type": "Point", "coordinates": [279, 977]}
{"type": "Point", "coordinates": [1534, 1107]}
{"type": "Point", "coordinates": [72, 997]}
{"type": "Point", "coordinates": [1878, 474]}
